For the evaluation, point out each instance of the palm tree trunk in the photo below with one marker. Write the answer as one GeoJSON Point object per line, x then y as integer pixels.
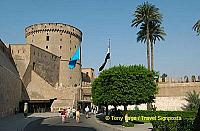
{"type": "Point", "coordinates": [152, 57]}
{"type": "Point", "coordinates": [148, 48]}
{"type": "Point", "coordinates": [148, 59]}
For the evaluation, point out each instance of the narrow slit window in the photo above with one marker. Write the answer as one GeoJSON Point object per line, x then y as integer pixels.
{"type": "Point", "coordinates": [47, 38]}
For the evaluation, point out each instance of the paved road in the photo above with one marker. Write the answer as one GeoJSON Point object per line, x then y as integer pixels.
{"type": "Point", "coordinates": [54, 124]}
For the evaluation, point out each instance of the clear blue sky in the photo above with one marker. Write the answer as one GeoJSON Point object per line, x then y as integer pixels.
{"type": "Point", "coordinates": [100, 20]}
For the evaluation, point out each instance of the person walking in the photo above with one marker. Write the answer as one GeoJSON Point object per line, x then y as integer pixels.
{"type": "Point", "coordinates": [74, 112]}
{"type": "Point", "coordinates": [25, 109]}
{"type": "Point", "coordinates": [87, 112]}
{"type": "Point", "coordinates": [63, 116]}
{"type": "Point", "coordinates": [68, 112]}
{"type": "Point", "coordinates": [78, 115]}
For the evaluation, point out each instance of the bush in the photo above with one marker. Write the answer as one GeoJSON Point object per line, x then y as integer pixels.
{"type": "Point", "coordinates": [182, 114]}
{"type": "Point", "coordinates": [185, 124]}
{"type": "Point", "coordinates": [128, 124]}
{"type": "Point", "coordinates": [196, 124]}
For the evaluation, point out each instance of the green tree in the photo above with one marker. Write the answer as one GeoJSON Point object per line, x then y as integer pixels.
{"type": "Point", "coordinates": [146, 14]}
{"type": "Point", "coordinates": [193, 99]}
{"type": "Point", "coordinates": [123, 85]}
{"type": "Point", "coordinates": [156, 32]}
{"type": "Point", "coordinates": [196, 27]}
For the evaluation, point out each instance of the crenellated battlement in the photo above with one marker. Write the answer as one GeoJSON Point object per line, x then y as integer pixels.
{"type": "Point", "coordinates": [185, 79]}
{"type": "Point", "coordinates": [53, 27]}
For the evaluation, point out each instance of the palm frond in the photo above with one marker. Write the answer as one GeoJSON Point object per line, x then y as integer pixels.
{"type": "Point", "coordinates": [196, 27]}
{"type": "Point", "coordinates": [193, 101]}
{"type": "Point", "coordinates": [146, 13]}
{"type": "Point", "coordinates": [156, 32]}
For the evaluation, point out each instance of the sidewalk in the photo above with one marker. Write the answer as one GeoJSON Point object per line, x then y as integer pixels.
{"type": "Point", "coordinates": [18, 122]}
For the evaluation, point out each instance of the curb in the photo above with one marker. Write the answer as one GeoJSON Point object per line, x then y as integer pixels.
{"type": "Point", "coordinates": [109, 126]}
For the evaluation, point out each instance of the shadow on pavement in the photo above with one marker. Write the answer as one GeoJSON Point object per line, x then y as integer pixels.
{"type": "Point", "coordinates": [38, 126]}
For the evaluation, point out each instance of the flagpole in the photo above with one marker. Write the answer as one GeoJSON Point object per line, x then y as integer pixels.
{"type": "Point", "coordinates": [81, 73]}
{"type": "Point", "coordinates": [110, 53]}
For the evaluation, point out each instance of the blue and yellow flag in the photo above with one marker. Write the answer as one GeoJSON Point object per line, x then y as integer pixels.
{"type": "Point", "coordinates": [74, 58]}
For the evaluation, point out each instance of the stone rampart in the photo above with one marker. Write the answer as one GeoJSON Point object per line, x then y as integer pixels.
{"type": "Point", "coordinates": [10, 83]}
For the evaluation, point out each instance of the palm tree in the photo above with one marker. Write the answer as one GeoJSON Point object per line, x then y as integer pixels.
{"type": "Point", "coordinates": [196, 27]}
{"type": "Point", "coordinates": [146, 13]}
{"type": "Point", "coordinates": [193, 99]}
{"type": "Point", "coordinates": [156, 32]}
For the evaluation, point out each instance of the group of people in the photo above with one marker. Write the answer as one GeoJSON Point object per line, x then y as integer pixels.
{"type": "Point", "coordinates": [72, 113]}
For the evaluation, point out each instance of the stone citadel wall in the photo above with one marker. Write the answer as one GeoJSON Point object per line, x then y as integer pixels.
{"type": "Point", "coordinates": [39, 71]}
{"type": "Point", "coordinates": [29, 57]}
{"type": "Point", "coordinates": [10, 83]}
{"type": "Point", "coordinates": [62, 40]}
{"type": "Point", "coordinates": [171, 96]}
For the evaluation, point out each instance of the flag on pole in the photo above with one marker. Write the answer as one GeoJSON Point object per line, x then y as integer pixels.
{"type": "Point", "coordinates": [106, 59]}
{"type": "Point", "coordinates": [74, 58]}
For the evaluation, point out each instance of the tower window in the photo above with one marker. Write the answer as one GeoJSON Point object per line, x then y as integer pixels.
{"type": "Point", "coordinates": [75, 46]}
{"type": "Point", "coordinates": [70, 48]}
{"type": "Point", "coordinates": [47, 38]}
{"type": "Point", "coordinates": [60, 47]}
{"type": "Point", "coordinates": [47, 47]}
{"type": "Point", "coordinates": [70, 41]}
{"type": "Point", "coordinates": [60, 39]}
{"type": "Point", "coordinates": [33, 65]}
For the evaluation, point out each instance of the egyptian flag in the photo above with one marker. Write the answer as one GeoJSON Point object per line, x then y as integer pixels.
{"type": "Point", "coordinates": [106, 59]}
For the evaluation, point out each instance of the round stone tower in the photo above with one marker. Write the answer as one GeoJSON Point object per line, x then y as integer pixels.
{"type": "Point", "coordinates": [62, 40]}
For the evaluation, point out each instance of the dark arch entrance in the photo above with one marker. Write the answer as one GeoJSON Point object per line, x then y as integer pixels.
{"type": "Point", "coordinates": [37, 106]}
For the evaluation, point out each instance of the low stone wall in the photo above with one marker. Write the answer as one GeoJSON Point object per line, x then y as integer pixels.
{"type": "Point", "coordinates": [161, 103]}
